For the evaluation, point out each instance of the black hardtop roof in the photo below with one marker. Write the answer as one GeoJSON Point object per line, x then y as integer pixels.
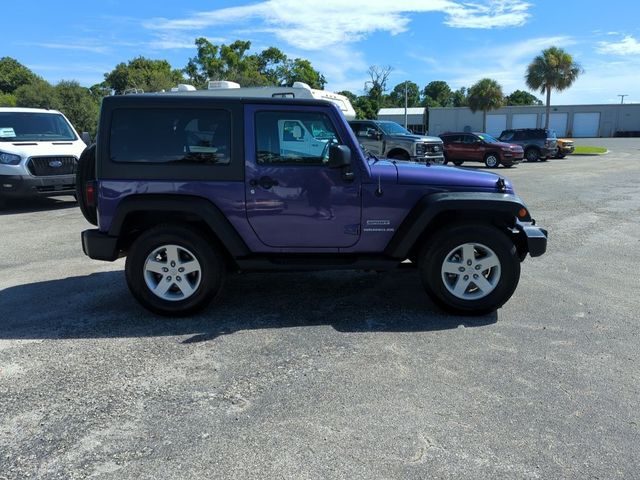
{"type": "Point", "coordinates": [160, 100]}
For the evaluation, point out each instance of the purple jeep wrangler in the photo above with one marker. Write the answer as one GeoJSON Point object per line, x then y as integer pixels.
{"type": "Point", "coordinates": [191, 187]}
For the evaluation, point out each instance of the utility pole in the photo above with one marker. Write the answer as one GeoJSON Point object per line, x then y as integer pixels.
{"type": "Point", "coordinates": [622, 98]}
{"type": "Point", "coordinates": [405, 105]}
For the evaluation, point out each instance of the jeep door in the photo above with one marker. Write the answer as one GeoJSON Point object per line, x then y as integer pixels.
{"type": "Point", "coordinates": [293, 199]}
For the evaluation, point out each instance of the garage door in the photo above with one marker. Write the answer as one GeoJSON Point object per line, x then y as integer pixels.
{"type": "Point", "coordinates": [524, 120]}
{"type": "Point", "coordinates": [586, 124]}
{"type": "Point", "coordinates": [496, 123]}
{"type": "Point", "coordinates": [557, 122]}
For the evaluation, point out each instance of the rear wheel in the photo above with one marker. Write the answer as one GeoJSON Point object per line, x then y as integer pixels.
{"type": "Point", "coordinates": [470, 269]}
{"type": "Point", "coordinates": [491, 160]}
{"type": "Point", "coordinates": [86, 172]}
{"type": "Point", "coordinates": [532, 155]}
{"type": "Point", "coordinates": [174, 270]}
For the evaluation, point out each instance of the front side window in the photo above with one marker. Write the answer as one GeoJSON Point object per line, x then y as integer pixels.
{"type": "Point", "coordinates": [171, 135]}
{"type": "Point", "coordinates": [293, 138]}
{"type": "Point", "coordinates": [34, 127]}
{"type": "Point", "coordinates": [393, 128]}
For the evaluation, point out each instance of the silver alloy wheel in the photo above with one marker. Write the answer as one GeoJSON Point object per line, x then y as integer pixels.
{"type": "Point", "coordinates": [491, 161]}
{"type": "Point", "coordinates": [172, 273]}
{"type": "Point", "coordinates": [471, 271]}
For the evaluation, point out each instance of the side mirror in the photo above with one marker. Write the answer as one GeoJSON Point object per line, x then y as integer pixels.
{"type": "Point", "coordinates": [86, 138]}
{"type": "Point", "coordinates": [339, 156]}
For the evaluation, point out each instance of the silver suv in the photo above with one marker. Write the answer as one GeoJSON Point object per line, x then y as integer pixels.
{"type": "Point", "coordinates": [392, 140]}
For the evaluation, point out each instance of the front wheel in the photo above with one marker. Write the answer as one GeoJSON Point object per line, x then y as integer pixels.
{"type": "Point", "coordinates": [491, 161]}
{"type": "Point", "coordinates": [532, 155]}
{"type": "Point", "coordinates": [174, 270]}
{"type": "Point", "coordinates": [470, 270]}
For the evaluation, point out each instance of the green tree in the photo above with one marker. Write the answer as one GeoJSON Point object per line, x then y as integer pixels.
{"type": "Point", "coordinates": [37, 94]}
{"type": "Point", "coordinates": [13, 75]}
{"type": "Point", "coordinates": [437, 94]}
{"type": "Point", "coordinates": [485, 95]}
{"type": "Point", "coordinates": [233, 62]}
{"type": "Point", "coordinates": [143, 74]}
{"type": "Point", "coordinates": [459, 97]}
{"type": "Point", "coordinates": [7, 100]}
{"type": "Point", "coordinates": [554, 69]}
{"type": "Point", "coordinates": [520, 97]}
{"type": "Point", "coordinates": [376, 87]}
{"type": "Point", "coordinates": [78, 105]}
{"type": "Point", "coordinates": [366, 108]}
{"type": "Point", "coordinates": [396, 97]}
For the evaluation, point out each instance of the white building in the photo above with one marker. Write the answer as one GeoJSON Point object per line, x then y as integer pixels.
{"type": "Point", "coordinates": [416, 117]}
{"type": "Point", "coordinates": [567, 120]}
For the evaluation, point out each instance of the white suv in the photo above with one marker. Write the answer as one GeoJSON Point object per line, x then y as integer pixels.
{"type": "Point", "coordinates": [39, 151]}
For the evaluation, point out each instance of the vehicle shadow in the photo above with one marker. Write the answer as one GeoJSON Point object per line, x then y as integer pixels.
{"type": "Point", "coordinates": [100, 306]}
{"type": "Point", "coordinates": [37, 204]}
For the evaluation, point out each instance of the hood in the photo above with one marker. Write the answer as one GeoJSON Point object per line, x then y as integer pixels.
{"type": "Point", "coordinates": [416, 138]}
{"type": "Point", "coordinates": [36, 149]}
{"type": "Point", "coordinates": [413, 173]}
{"type": "Point", "coordinates": [513, 146]}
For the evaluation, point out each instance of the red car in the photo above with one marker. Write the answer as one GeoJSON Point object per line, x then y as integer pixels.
{"type": "Point", "coordinates": [462, 147]}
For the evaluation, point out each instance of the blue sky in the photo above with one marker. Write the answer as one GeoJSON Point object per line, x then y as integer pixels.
{"type": "Point", "coordinates": [422, 40]}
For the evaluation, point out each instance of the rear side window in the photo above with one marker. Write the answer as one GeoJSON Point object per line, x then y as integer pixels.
{"type": "Point", "coordinates": [293, 138]}
{"type": "Point", "coordinates": [171, 135]}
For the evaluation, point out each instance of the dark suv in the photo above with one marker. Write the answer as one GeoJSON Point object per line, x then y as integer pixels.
{"type": "Point", "coordinates": [193, 187]}
{"type": "Point", "coordinates": [479, 147]}
{"type": "Point", "coordinates": [538, 143]}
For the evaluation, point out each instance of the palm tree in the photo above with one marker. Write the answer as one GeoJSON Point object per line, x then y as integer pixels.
{"type": "Point", "coordinates": [554, 69]}
{"type": "Point", "coordinates": [485, 95]}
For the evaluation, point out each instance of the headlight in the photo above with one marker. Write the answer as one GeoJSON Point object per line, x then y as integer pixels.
{"type": "Point", "coordinates": [9, 158]}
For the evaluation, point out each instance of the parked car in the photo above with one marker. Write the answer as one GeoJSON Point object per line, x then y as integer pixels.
{"type": "Point", "coordinates": [39, 150]}
{"type": "Point", "coordinates": [192, 187]}
{"type": "Point", "coordinates": [460, 147]}
{"type": "Point", "coordinates": [566, 147]}
{"type": "Point", "coordinates": [538, 143]}
{"type": "Point", "coordinates": [391, 140]}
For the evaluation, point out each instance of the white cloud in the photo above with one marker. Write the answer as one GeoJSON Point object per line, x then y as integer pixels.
{"type": "Point", "coordinates": [77, 46]}
{"type": "Point", "coordinates": [495, 13]}
{"type": "Point", "coordinates": [335, 22]}
{"type": "Point", "coordinates": [627, 46]}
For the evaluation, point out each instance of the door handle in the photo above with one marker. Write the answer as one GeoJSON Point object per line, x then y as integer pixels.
{"type": "Point", "coordinates": [264, 182]}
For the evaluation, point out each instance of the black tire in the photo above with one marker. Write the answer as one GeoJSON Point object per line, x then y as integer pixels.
{"type": "Point", "coordinates": [505, 277]}
{"type": "Point", "coordinates": [532, 154]}
{"type": "Point", "coordinates": [400, 155]}
{"type": "Point", "coordinates": [491, 160]}
{"type": "Point", "coordinates": [560, 155]}
{"type": "Point", "coordinates": [210, 277]}
{"type": "Point", "coordinates": [86, 172]}
{"type": "Point", "coordinates": [457, 163]}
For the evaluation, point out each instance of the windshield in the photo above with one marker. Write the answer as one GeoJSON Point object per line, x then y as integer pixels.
{"type": "Point", "coordinates": [488, 138]}
{"type": "Point", "coordinates": [393, 128]}
{"type": "Point", "coordinates": [31, 126]}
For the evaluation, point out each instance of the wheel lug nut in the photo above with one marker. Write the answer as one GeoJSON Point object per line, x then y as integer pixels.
{"type": "Point", "coordinates": [165, 269]}
{"type": "Point", "coordinates": [461, 269]}
{"type": "Point", "coordinates": [478, 267]}
{"type": "Point", "coordinates": [168, 279]}
{"type": "Point", "coordinates": [469, 262]}
{"type": "Point", "coordinates": [173, 264]}
{"type": "Point", "coordinates": [179, 279]}
{"type": "Point", "coordinates": [475, 275]}
{"type": "Point", "coordinates": [466, 277]}
{"type": "Point", "coordinates": [181, 269]}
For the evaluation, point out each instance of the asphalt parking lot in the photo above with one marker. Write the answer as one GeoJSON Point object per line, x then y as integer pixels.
{"type": "Point", "coordinates": [334, 374]}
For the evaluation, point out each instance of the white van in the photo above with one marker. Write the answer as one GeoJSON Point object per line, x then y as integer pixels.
{"type": "Point", "coordinates": [39, 151]}
{"type": "Point", "coordinates": [298, 90]}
